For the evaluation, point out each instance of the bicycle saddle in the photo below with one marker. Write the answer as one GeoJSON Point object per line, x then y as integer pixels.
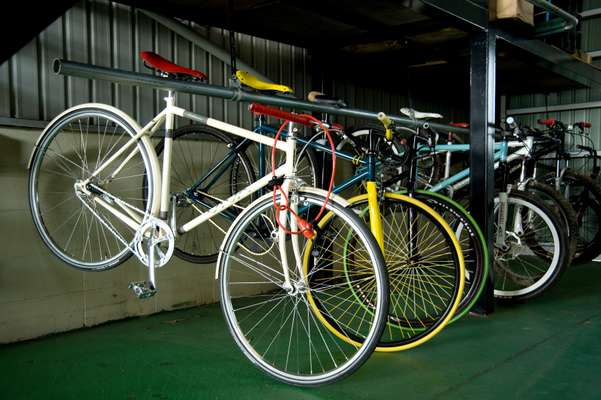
{"type": "Point", "coordinates": [414, 114]}
{"type": "Point", "coordinates": [153, 60]}
{"type": "Point", "coordinates": [320, 98]}
{"type": "Point", "coordinates": [253, 82]}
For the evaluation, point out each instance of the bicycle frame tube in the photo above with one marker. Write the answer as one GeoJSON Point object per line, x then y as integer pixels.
{"type": "Point", "coordinates": [461, 179]}
{"type": "Point", "coordinates": [168, 115]}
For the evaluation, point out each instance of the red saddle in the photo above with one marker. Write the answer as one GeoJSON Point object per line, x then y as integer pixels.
{"type": "Point", "coordinates": [155, 61]}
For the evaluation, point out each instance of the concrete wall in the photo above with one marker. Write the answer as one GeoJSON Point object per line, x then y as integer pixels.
{"type": "Point", "coordinates": [40, 295]}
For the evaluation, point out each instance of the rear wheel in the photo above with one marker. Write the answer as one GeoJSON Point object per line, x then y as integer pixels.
{"type": "Point", "coordinates": [70, 219]}
{"type": "Point", "coordinates": [585, 197]}
{"type": "Point", "coordinates": [535, 249]}
{"type": "Point", "coordinates": [425, 267]}
{"type": "Point", "coordinates": [206, 168]}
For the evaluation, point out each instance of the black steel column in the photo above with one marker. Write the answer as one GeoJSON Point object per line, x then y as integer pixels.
{"type": "Point", "coordinates": [482, 140]}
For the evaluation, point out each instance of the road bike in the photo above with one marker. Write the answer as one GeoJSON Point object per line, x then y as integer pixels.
{"type": "Point", "coordinates": [290, 259]}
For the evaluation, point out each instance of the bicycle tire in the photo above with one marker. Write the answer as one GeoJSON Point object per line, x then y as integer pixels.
{"type": "Point", "coordinates": [474, 248]}
{"type": "Point", "coordinates": [194, 246]}
{"type": "Point", "coordinates": [342, 359]}
{"type": "Point", "coordinates": [587, 206]}
{"type": "Point", "coordinates": [561, 207]}
{"type": "Point", "coordinates": [406, 328]}
{"type": "Point", "coordinates": [115, 128]}
{"type": "Point", "coordinates": [527, 284]}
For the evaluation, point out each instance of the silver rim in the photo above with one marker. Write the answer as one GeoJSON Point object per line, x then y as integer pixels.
{"type": "Point", "coordinates": [524, 269]}
{"type": "Point", "coordinates": [69, 152]}
{"type": "Point", "coordinates": [279, 331]}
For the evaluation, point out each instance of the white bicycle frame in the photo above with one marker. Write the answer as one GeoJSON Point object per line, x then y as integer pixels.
{"type": "Point", "coordinates": [522, 152]}
{"type": "Point", "coordinates": [162, 180]}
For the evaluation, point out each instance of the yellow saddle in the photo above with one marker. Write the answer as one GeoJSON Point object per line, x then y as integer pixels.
{"type": "Point", "coordinates": [252, 81]}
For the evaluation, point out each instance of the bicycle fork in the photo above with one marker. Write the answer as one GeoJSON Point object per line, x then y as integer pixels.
{"type": "Point", "coordinates": [375, 218]}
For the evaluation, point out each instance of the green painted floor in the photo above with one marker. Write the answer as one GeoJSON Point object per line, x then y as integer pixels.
{"type": "Point", "coordinates": [548, 348]}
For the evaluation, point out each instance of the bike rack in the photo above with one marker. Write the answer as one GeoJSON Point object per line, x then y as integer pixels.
{"type": "Point", "coordinates": [71, 68]}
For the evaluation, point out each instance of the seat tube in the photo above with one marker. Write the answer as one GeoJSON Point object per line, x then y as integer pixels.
{"type": "Point", "coordinates": [167, 154]}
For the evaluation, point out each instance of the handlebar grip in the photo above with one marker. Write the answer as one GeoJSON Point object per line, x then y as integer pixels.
{"type": "Point", "coordinates": [279, 114]}
{"type": "Point", "coordinates": [547, 122]}
{"type": "Point", "coordinates": [386, 122]}
{"type": "Point", "coordinates": [583, 124]}
{"type": "Point", "coordinates": [384, 119]}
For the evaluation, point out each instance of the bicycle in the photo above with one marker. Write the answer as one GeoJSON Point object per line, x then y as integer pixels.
{"type": "Point", "coordinates": [532, 247]}
{"type": "Point", "coordinates": [579, 189]}
{"type": "Point", "coordinates": [86, 176]}
{"type": "Point", "coordinates": [406, 326]}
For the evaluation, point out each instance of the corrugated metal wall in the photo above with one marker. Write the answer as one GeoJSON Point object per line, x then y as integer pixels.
{"type": "Point", "coordinates": [110, 34]}
{"type": "Point", "coordinates": [591, 40]}
{"type": "Point", "coordinates": [390, 101]}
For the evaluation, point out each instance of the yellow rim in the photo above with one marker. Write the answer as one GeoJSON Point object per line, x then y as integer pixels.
{"type": "Point", "coordinates": [457, 299]}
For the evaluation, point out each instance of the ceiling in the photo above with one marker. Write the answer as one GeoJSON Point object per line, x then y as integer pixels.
{"type": "Point", "coordinates": [382, 41]}
{"type": "Point", "coordinates": [423, 43]}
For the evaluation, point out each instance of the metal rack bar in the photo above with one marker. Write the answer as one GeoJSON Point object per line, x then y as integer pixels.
{"type": "Point", "coordinates": [81, 70]}
{"type": "Point", "coordinates": [590, 13]}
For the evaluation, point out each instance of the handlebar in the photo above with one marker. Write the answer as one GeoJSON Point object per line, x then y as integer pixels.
{"type": "Point", "coordinates": [279, 114]}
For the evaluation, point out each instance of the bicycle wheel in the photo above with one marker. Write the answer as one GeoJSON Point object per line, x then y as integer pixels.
{"type": "Point", "coordinates": [584, 195]}
{"type": "Point", "coordinates": [520, 270]}
{"type": "Point", "coordinates": [425, 268]}
{"type": "Point", "coordinates": [75, 227]}
{"type": "Point", "coordinates": [205, 169]}
{"type": "Point", "coordinates": [276, 327]}
{"type": "Point", "coordinates": [561, 207]}
{"type": "Point", "coordinates": [473, 246]}
{"type": "Point", "coordinates": [308, 165]}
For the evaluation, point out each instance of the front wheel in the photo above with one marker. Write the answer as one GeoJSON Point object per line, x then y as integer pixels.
{"type": "Point", "coordinates": [473, 246]}
{"type": "Point", "coordinates": [286, 331]}
{"type": "Point", "coordinates": [425, 267]}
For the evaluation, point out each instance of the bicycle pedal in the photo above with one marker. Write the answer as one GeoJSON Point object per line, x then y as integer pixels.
{"type": "Point", "coordinates": [142, 289]}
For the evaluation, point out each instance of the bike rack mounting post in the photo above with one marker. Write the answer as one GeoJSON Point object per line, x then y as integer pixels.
{"type": "Point", "coordinates": [482, 144]}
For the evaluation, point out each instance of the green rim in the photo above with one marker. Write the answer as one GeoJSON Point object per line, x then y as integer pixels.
{"type": "Point", "coordinates": [480, 236]}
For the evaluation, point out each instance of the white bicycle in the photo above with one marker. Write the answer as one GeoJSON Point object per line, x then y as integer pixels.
{"type": "Point", "coordinates": [98, 195]}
